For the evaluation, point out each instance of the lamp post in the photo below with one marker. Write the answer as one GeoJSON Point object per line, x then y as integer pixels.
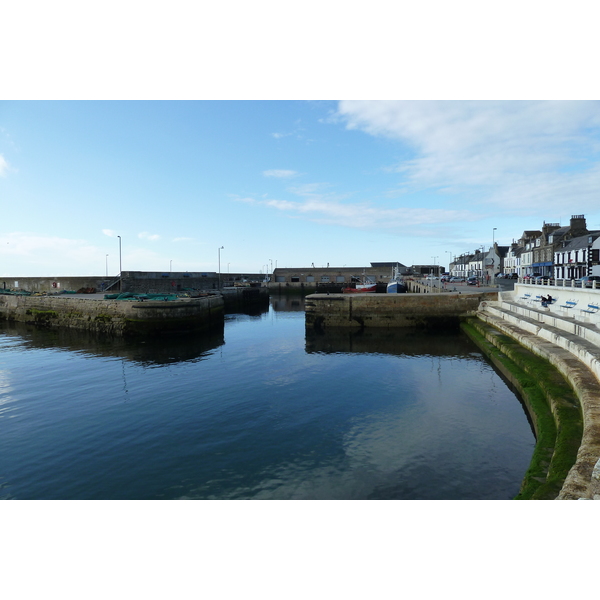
{"type": "Point", "coordinates": [120, 267]}
{"type": "Point", "coordinates": [107, 265]}
{"type": "Point", "coordinates": [219, 250]}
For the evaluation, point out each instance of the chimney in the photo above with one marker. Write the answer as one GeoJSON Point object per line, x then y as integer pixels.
{"type": "Point", "coordinates": [578, 226]}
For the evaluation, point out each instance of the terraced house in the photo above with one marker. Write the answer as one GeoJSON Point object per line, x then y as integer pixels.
{"type": "Point", "coordinates": [578, 257]}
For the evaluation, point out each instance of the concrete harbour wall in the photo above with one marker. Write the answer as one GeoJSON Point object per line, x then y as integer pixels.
{"type": "Point", "coordinates": [390, 310]}
{"type": "Point", "coordinates": [55, 284]}
{"type": "Point", "coordinates": [569, 340]}
{"type": "Point", "coordinates": [115, 317]}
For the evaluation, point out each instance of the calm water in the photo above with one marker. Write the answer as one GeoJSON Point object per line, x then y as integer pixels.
{"type": "Point", "coordinates": [258, 410]}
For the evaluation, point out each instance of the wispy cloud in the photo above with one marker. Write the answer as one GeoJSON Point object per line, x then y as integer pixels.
{"type": "Point", "coordinates": [281, 173]}
{"type": "Point", "coordinates": [321, 206]}
{"type": "Point", "coordinates": [503, 153]}
{"type": "Point", "coordinates": [40, 254]}
{"type": "Point", "coordinates": [109, 232]}
{"type": "Point", "coordinates": [3, 166]}
{"type": "Point", "coordinates": [183, 239]}
{"type": "Point", "coordinates": [153, 237]}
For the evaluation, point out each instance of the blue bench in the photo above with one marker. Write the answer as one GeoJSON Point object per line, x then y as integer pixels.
{"type": "Point", "coordinates": [569, 304]}
{"type": "Point", "coordinates": [592, 309]}
{"type": "Point", "coordinates": [526, 297]}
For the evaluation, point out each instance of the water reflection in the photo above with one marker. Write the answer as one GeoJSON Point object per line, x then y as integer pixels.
{"type": "Point", "coordinates": [291, 303]}
{"type": "Point", "coordinates": [397, 342]}
{"type": "Point", "coordinates": [174, 348]}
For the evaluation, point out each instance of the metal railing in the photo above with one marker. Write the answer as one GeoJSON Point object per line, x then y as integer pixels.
{"type": "Point", "coordinates": [561, 283]}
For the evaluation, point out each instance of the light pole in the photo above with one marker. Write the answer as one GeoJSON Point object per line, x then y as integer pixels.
{"type": "Point", "coordinates": [434, 259]}
{"type": "Point", "coordinates": [170, 266]}
{"type": "Point", "coordinates": [219, 249]}
{"type": "Point", "coordinates": [120, 267]}
{"type": "Point", "coordinates": [107, 265]}
{"type": "Point", "coordinates": [493, 244]}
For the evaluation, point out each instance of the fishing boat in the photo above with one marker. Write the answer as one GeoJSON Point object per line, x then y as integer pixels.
{"type": "Point", "coordinates": [396, 284]}
{"type": "Point", "coordinates": [361, 287]}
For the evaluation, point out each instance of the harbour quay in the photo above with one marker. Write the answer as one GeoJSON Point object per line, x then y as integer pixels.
{"type": "Point", "coordinates": [132, 317]}
{"type": "Point", "coordinates": [392, 310]}
{"type": "Point", "coordinates": [116, 317]}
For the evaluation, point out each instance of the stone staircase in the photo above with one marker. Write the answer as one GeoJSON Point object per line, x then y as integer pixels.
{"type": "Point", "coordinates": [570, 340]}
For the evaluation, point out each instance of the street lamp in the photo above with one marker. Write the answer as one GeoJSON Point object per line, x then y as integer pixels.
{"type": "Point", "coordinates": [120, 267]}
{"type": "Point", "coordinates": [493, 244]}
{"type": "Point", "coordinates": [107, 265]}
{"type": "Point", "coordinates": [219, 249]}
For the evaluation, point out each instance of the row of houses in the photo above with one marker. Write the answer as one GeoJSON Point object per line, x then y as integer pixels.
{"type": "Point", "coordinates": [560, 252]}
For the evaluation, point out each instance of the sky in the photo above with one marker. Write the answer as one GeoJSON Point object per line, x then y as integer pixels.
{"type": "Point", "coordinates": [266, 183]}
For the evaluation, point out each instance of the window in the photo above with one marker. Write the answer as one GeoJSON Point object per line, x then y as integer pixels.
{"type": "Point", "coordinates": [340, 279]}
{"type": "Point", "coordinates": [324, 278]}
{"type": "Point", "coordinates": [295, 279]}
{"type": "Point", "coordinates": [310, 278]}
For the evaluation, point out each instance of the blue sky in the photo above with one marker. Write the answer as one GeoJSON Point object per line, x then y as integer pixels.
{"type": "Point", "coordinates": [287, 183]}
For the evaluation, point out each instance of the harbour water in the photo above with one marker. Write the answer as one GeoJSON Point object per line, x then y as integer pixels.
{"type": "Point", "coordinates": [259, 410]}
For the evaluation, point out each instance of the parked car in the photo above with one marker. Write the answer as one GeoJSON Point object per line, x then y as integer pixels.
{"type": "Point", "coordinates": [472, 281]}
{"type": "Point", "coordinates": [542, 278]}
{"type": "Point", "coordinates": [456, 279]}
{"type": "Point", "coordinates": [499, 275]}
{"type": "Point", "coordinates": [512, 276]}
{"type": "Point", "coordinates": [587, 281]}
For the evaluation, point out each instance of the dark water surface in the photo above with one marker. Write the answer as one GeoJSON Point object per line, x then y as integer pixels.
{"type": "Point", "coordinates": [261, 409]}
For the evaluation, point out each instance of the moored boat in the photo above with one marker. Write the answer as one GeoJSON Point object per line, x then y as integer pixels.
{"type": "Point", "coordinates": [361, 288]}
{"type": "Point", "coordinates": [396, 284]}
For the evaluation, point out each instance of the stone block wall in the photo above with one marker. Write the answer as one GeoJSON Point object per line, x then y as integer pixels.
{"type": "Point", "coordinates": [55, 284]}
{"type": "Point", "coordinates": [390, 310]}
{"type": "Point", "coordinates": [112, 316]}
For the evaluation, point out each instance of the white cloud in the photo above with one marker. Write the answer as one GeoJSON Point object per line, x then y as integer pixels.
{"type": "Point", "coordinates": [183, 239]}
{"type": "Point", "coordinates": [282, 173]}
{"type": "Point", "coordinates": [144, 235]}
{"type": "Point", "coordinates": [505, 153]}
{"type": "Point", "coordinates": [39, 255]}
{"type": "Point", "coordinates": [3, 166]}
{"type": "Point", "coordinates": [109, 232]}
{"type": "Point", "coordinates": [333, 209]}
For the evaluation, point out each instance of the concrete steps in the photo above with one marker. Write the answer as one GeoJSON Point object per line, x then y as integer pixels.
{"type": "Point", "coordinates": [573, 347]}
